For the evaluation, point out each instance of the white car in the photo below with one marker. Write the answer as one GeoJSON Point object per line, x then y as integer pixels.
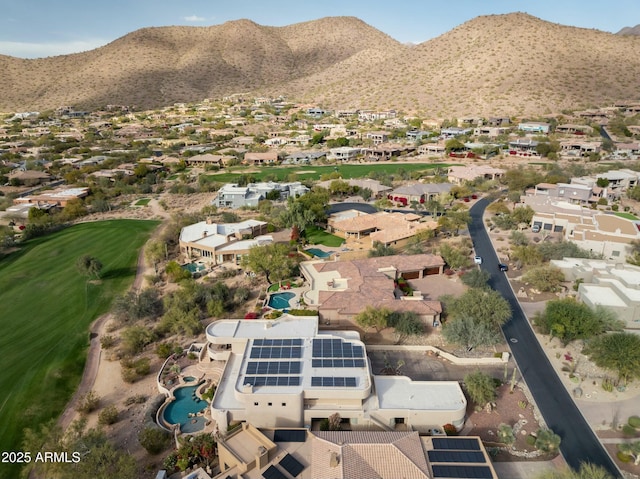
{"type": "Point", "coordinates": [477, 259]}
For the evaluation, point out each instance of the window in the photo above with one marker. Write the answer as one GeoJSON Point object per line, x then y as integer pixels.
{"type": "Point", "coordinates": [615, 253]}
{"type": "Point", "coordinates": [270, 404]}
{"type": "Point", "coordinates": [284, 404]}
{"type": "Point", "coordinates": [256, 404]}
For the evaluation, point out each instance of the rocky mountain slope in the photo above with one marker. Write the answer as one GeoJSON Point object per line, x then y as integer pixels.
{"type": "Point", "coordinates": [499, 64]}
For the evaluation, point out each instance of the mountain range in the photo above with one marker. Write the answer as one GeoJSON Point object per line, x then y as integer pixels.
{"type": "Point", "coordinates": [512, 64]}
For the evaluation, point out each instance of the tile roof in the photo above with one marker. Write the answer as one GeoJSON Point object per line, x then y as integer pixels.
{"type": "Point", "coordinates": [369, 282]}
{"type": "Point", "coordinates": [370, 454]}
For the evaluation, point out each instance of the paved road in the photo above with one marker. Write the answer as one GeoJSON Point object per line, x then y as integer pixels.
{"type": "Point", "coordinates": [579, 443]}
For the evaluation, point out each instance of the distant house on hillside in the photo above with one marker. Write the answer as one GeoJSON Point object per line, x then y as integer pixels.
{"type": "Point", "coordinates": [534, 127]}
{"type": "Point", "coordinates": [419, 192]}
{"type": "Point", "coordinates": [233, 196]}
{"type": "Point", "coordinates": [259, 159]}
{"type": "Point", "coordinates": [222, 242]}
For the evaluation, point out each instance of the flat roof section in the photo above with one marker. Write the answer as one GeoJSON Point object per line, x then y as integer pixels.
{"type": "Point", "coordinates": [284, 327]}
{"type": "Point", "coordinates": [400, 392]}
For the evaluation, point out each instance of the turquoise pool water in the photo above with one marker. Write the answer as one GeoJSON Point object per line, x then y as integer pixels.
{"type": "Point", "coordinates": [177, 412]}
{"type": "Point", "coordinates": [280, 300]}
{"type": "Point", "coordinates": [189, 379]}
{"type": "Point", "coordinates": [318, 253]}
{"type": "Point", "coordinates": [194, 267]}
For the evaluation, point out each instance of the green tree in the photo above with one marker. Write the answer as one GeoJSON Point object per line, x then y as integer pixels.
{"type": "Point", "coordinates": [405, 324]}
{"type": "Point", "coordinates": [476, 278]}
{"type": "Point", "coordinates": [518, 238]}
{"type": "Point", "coordinates": [634, 193]}
{"type": "Point", "coordinates": [522, 214]}
{"type": "Point", "coordinates": [526, 254]}
{"type": "Point", "coordinates": [619, 352]}
{"type": "Point", "coordinates": [480, 387]}
{"type": "Point", "coordinates": [381, 249]}
{"type": "Point", "coordinates": [89, 266]}
{"type": "Point", "coordinates": [569, 320]}
{"type": "Point", "coordinates": [135, 338]}
{"type": "Point", "coordinates": [371, 317]}
{"type": "Point", "coordinates": [154, 439]}
{"type": "Point", "coordinates": [483, 306]}
{"type": "Point", "coordinates": [175, 272]}
{"type": "Point", "coordinates": [545, 278]}
{"type": "Point", "coordinates": [470, 333]}
{"type": "Point", "coordinates": [455, 257]}
{"type": "Point", "coordinates": [271, 260]}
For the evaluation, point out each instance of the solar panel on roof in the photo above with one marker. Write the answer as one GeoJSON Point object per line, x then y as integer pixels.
{"type": "Point", "coordinates": [462, 472]}
{"type": "Point", "coordinates": [456, 456]}
{"type": "Point", "coordinates": [289, 435]}
{"type": "Point", "coordinates": [272, 472]}
{"type": "Point", "coordinates": [272, 380]}
{"type": "Point", "coordinates": [291, 465]}
{"type": "Point", "coordinates": [330, 381]}
{"type": "Point", "coordinates": [459, 444]}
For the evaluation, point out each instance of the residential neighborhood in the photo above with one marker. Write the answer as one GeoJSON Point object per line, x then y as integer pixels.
{"type": "Point", "coordinates": [317, 284]}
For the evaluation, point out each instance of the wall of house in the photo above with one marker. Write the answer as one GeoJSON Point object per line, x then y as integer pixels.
{"type": "Point", "coordinates": [422, 420]}
{"type": "Point", "coordinates": [274, 410]}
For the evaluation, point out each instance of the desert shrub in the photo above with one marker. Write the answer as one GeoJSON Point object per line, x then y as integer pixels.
{"type": "Point", "coordinates": [634, 421]}
{"type": "Point", "coordinates": [531, 440]}
{"type": "Point", "coordinates": [154, 439]}
{"type": "Point", "coordinates": [107, 342]}
{"type": "Point", "coordinates": [88, 403]}
{"type": "Point", "coordinates": [622, 457]}
{"type": "Point", "coordinates": [628, 430]}
{"type": "Point", "coordinates": [505, 434]}
{"type": "Point", "coordinates": [135, 399]}
{"type": "Point", "coordinates": [108, 415]}
{"type": "Point", "coordinates": [164, 350]}
{"type": "Point", "coordinates": [547, 440]}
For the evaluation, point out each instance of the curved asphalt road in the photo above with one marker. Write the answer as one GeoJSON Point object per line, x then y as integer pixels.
{"type": "Point", "coordinates": [579, 443]}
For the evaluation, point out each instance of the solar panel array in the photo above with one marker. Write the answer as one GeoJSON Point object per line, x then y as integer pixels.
{"type": "Point", "coordinates": [272, 380]}
{"type": "Point", "coordinates": [278, 342]}
{"type": "Point", "coordinates": [272, 472]}
{"type": "Point", "coordinates": [337, 363]}
{"type": "Point", "coordinates": [291, 465]}
{"type": "Point", "coordinates": [456, 456]}
{"type": "Point", "coordinates": [336, 348]}
{"type": "Point", "coordinates": [274, 367]}
{"type": "Point", "coordinates": [330, 381]}
{"type": "Point", "coordinates": [456, 444]}
{"type": "Point", "coordinates": [276, 352]}
{"type": "Point", "coordinates": [461, 472]}
{"type": "Point", "coordinates": [465, 452]}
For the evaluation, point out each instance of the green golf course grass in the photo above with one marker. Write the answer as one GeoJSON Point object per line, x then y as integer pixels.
{"type": "Point", "coordinates": [47, 307]}
{"type": "Point", "coordinates": [315, 172]}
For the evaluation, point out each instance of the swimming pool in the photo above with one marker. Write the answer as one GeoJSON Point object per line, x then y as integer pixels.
{"type": "Point", "coordinates": [194, 267]}
{"type": "Point", "coordinates": [280, 300]}
{"type": "Point", "coordinates": [186, 402]}
{"type": "Point", "coordinates": [318, 253]}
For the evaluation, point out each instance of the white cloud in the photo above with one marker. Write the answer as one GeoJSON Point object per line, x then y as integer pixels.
{"type": "Point", "coordinates": [48, 49]}
{"type": "Point", "coordinates": [193, 18]}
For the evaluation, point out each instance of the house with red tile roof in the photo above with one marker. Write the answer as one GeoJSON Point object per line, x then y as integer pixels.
{"type": "Point", "coordinates": [342, 289]}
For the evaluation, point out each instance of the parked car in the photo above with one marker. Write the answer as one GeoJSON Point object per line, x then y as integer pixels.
{"type": "Point", "coordinates": [477, 259]}
{"type": "Point", "coordinates": [535, 228]}
{"type": "Point", "coordinates": [503, 267]}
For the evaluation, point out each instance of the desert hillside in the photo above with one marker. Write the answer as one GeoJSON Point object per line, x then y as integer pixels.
{"type": "Point", "coordinates": [154, 67]}
{"type": "Point", "coordinates": [512, 64]}
{"type": "Point", "coordinates": [500, 64]}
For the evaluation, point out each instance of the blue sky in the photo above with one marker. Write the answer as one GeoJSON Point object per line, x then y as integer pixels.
{"type": "Point", "coordinates": [39, 28]}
